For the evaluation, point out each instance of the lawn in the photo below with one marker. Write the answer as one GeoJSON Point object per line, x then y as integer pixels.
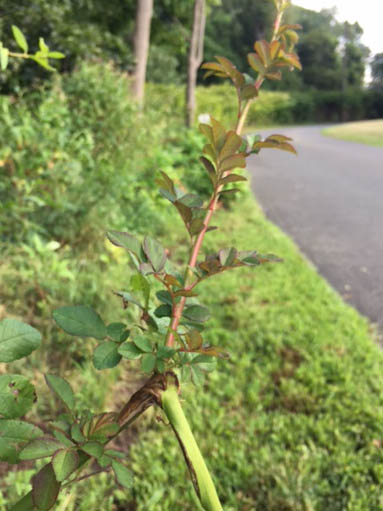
{"type": "Point", "coordinates": [364, 132]}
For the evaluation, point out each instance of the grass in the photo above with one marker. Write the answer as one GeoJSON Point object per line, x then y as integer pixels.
{"type": "Point", "coordinates": [364, 132]}
{"type": "Point", "coordinates": [293, 421]}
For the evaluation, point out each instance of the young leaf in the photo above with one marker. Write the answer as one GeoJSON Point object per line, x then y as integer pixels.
{"type": "Point", "coordinates": [123, 475]}
{"type": "Point", "coordinates": [17, 340]}
{"type": "Point", "coordinates": [106, 355]}
{"type": "Point", "coordinates": [129, 351]}
{"type": "Point", "coordinates": [233, 162]}
{"type": "Point", "coordinates": [148, 362]}
{"type": "Point", "coordinates": [43, 47]}
{"type": "Point", "coordinates": [65, 462]}
{"type": "Point", "coordinates": [80, 320]}
{"type": "Point", "coordinates": [155, 253]}
{"type": "Point", "coordinates": [196, 313]}
{"type": "Point", "coordinates": [4, 53]}
{"type": "Point", "coordinates": [45, 488]}
{"type": "Point", "coordinates": [232, 178]}
{"type": "Point", "coordinates": [255, 63]}
{"type": "Point", "coordinates": [140, 284]}
{"type": "Point", "coordinates": [232, 143]}
{"type": "Point", "coordinates": [17, 396]}
{"type": "Point", "coordinates": [13, 435]}
{"type": "Point", "coordinates": [61, 388]}
{"type": "Point", "coordinates": [40, 448]}
{"type": "Point", "coordinates": [56, 55]}
{"type": "Point", "coordinates": [19, 38]}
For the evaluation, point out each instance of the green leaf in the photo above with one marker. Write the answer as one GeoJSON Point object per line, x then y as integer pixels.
{"type": "Point", "coordinates": [117, 332]}
{"type": "Point", "coordinates": [43, 47]}
{"type": "Point", "coordinates": [56, 55]}
{"type": "Point", "coordinates": [123, 475]}
{"type": "Point", "coordinates": [61, 388]}
{"type": "Point", "coordinates": [155, 253]}
{"type": "Point", "coordinates": [76, 433]}
{"type": "Point", "coordinates": [65, 462]}
{"type": "Point", "coordinates": [4, 53]}
{"type": "Point", "coordinates": [17, 340]}
{"type": "Point", "coordinates": [143, 343]}
{"type": "Point", "coordinates": [17, 395]}
{"type": "Point", "coordinates": [25, 504]}
{"type": "Point", "coordinates": [163, 311]}
{"type": "Point", "coordinates": [40, 448]}
{"type": "Point", "coordinates": [164, 297]}
{"type": "Point", "coordinates": [148, 363]}
{"type": "Point", "coordinates": [45, 488]}
{"type": "Point", "coordinates": [129, 350]}
{"type": "Point", "coordinates": [140, 284]}
{"type": "Point", "coordinates": [116, 454]}
{"type": "Point", "coordinates": [19, 38]}
{"type": "Point", "coordinates": [125, 240]}
{"type": "Point", "coordinates": [13, 435]}
{"type": "Point", "coordinates": [165, 352]}
{"type": "Point", "coordinates": [94, 449]}
{"type": "Point", "coordinates": [106, 355]}
{"type": "Point", "coordinates": [42, 61]}
{"type": "Point", "coordinates": [196, 313]}
{"type": "Point", "coordinates": [227, 256]}
{"type": "Point", "coordinates": [80, 320]}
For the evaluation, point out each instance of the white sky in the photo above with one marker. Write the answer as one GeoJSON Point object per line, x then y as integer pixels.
{"type": "Point", "coordinates": [368, 13]}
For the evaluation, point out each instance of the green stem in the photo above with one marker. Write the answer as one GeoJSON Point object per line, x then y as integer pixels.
{"type": "Point", "coordinates": [199, 472]}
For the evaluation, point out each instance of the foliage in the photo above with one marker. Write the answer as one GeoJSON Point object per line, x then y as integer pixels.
{"type": "Point", "coordinates": [377, 71]}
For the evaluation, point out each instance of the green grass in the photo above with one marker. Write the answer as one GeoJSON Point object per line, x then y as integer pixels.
{"type": "Point", "coordinates": [293, 421]}
{"type": "Point", "coordinates": [364, 132]}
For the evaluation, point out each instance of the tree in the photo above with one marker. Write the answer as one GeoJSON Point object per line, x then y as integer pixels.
{"type": "Point", "coordinates": [195, 57]}
{"type": "Point", "coordinates": [141, 46]}
{"type": "Point", "coordinates": [377, 71]}
{"type": "Point", "coordinates": [354, 56]}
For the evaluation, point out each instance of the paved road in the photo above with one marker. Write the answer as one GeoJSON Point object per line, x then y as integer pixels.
{"type": "Point", "coordinates": [329, 199]}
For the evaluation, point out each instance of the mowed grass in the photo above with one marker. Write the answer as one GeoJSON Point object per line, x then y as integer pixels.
{"type": "Point", "coordinates": [364, 132]}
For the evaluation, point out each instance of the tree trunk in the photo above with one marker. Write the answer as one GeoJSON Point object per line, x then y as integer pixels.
{"type": "Point", "coordinates": [141, 46]}
{"type": "Point", "coordinates": [195, 57]}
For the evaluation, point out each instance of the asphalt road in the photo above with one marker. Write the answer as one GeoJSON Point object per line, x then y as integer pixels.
{"type": "Point", "coordinates": [329, 199]}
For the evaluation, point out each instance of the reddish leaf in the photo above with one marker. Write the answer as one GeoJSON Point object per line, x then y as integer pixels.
{"type": "Point", "coordinates": [45, 488]}
{"type": "Point", "coordinates": [263, 50]}
{"type": "Point", "coordinates": [256, 63]}
{"type": "Point", "coordinates": [219, 134]}
{"type": "Point", "coordinates": [233, 162]}
{"type": "Point", "coordinates": [232, 143]}
{"type": "Point", "coordinates": [232, 178]}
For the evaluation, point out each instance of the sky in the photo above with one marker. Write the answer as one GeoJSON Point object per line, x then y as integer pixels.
{"type": "Point", "coordinates": [368, 13]}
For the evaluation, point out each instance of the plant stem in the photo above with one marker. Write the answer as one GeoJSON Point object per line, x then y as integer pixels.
{"type": "Point", "coordinates": [177, 310]}
{"type": "Point", "coordinates": [200, 475]}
